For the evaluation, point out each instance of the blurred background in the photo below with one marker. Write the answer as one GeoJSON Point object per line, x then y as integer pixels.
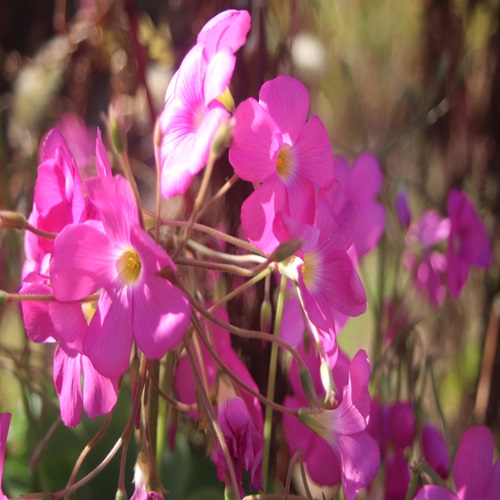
{"type": "Point", "coordinates": [416, 81]}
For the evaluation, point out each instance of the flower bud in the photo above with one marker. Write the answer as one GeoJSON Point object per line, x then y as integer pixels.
{"type": "Point", "coordinates": [221, 139]}
{"type": "Point", "coordinates": [403, 209]}
{"type": "Point", "coordinates": [3, 298]}
{"type": "Point", "coordinates": [12, 220]}
{"type": "Point", "coordinates": [307, 384]}
{"type": "Point", "coordinates": [117, 131]}
{"type": "Point", "coordinates": [435, 450]}
{"type": "Point", "coordinates": [287, 249]}
{"type": "Point", "coordinates": [266, 315]}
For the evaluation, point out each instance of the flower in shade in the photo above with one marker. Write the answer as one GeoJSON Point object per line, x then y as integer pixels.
{"type": "Point", "coordinates": [193, 112]}
{"type": "Point", "coordinates": [342, 425]}
{"type": "Point", "coordinates": [468, 242]}
{"type": "Point", "coordinates": [244, 440]}
{"type": "Point", "coordinates": [119, 258]}
{"type": "Point", "coordinates": [67, 324]}
{"type": "Point", "coordinates": [4, 430]}
{"type": "Point", "coordinates": [435, 450]}
{"type": "Point", "coordinates": [475, 475]}
{"type": "Point", "coordinates": [403, 209]}
{"type": "Point", "coordinates": [423, 259]}
{"type": "Point", "coordinates": [274, 145]}
{"type": "Point", "coordinates": [362, 182]}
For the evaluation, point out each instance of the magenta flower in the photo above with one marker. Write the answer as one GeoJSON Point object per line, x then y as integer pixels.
{"type": "Point", "coordinates": [468, 242]}
{"type": "Point", "coordinates": [435, 450]}
{"type": "Point", "coordinates": [362, 182]}
{"type": "Point", "coordinates": [342, 426]}
{"type": "Point", "coordinates": [274, 144]}
{"type": "Point", "coordinates": [66, 323]}
{"type": "Point", "coordinates": [4, 430]}
{"type": "Point", "coordinates": [119, 258]}
{"type": "Point", "coordinates": [403, 209]}
{"type": "Point", "coordinates": [476, 478]}
{"type": "Point", "coordinates": [425, 262]}
{"type": "Point", "coordinates": [192, 112]}
{"type": "Point", "coordinates": [243, 438]}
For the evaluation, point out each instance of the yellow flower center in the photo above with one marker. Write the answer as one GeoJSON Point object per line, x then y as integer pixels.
{"type": "Point", "coordinates": [89, 309]}
{"type": "Point", "coordinates": [129, 267]}
{"type": "Point", "coordinates": [284, 163]}
{"type": "Point", "coordinates": [310, 270]}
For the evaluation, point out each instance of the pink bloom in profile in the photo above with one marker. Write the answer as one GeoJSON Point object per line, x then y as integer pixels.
{"type": "Point", "coordinates": [328, 281]}
{"type": "Point", "coordinates": [426, 263]}
{"type": "Point", "coordinates": [4, 430]}
{"type": "Point", "coordinates": [119, 258]}
{"type": "Point", "coordinates": [435, 450]}
{"type": "Point", "coordinates": [343, 426]}
{"type": "Point", "coordinates": [274, 144]}
{"type": "Point", "coordinates": [403, 209]}
{"type": "Point", "coordinates": [362, 182]}
{"type": "Point", "coordinates": [475, 476]}
{"type": "Point", "coordinates": [243, 438]}
{"type": "Point", "coordinates": [193, 113]}
{"type": "Point", "coordinates": [468, 242]}
{"type": "Point", "coordinates": [67, 324]}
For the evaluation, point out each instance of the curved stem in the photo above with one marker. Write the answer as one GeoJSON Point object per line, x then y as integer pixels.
{"type": "Point", "coordinates": [218, 195]}
{"type": "Point", "coordinates": [227, 268]}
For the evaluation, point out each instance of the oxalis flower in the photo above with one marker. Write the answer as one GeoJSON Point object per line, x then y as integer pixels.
{"type": "Point", "coordinates": [274, 144]}
{"type": "Point", "coordinates": [344, 429]}
{"type": "Point", "coordinates": [119, 258]}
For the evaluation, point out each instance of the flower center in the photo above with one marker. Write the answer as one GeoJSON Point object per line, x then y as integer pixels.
{"type": "Point", "coordinates": [284, 163]}
{"type": "Point", "coordinates": [310, 270]}
{"type": "Point", "coordinates": [89, 309]}
{"type": "Point", "coordinates": [129, 267]}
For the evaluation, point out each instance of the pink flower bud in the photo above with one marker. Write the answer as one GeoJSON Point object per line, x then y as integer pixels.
{"type": "Point", "coordinates": [435, 450]}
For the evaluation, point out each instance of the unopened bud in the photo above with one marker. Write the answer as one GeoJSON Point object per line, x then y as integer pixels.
{"type": "Point", "coordinates": [221, 139]}
{"type": "Point", "coordinates": [307, 384]}
{"type": "Point", "coordinates": [287, 249]}
{"type": "Point", "coordinates": [121, 495]}
{"type": "Point", "coordinates": [12, 220]}
{"type": "Point", "coordinates": [266, 315]}
{"type": "Point", "coordinates": [228, 493]}
{"type": "Point", "coordinates": [3, 298]}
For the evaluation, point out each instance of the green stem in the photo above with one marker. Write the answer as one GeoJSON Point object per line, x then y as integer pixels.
{"type": "Point", "coordinates": [273, 363]}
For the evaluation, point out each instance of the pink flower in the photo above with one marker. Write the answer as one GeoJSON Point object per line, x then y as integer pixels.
{"type": "Point", "coordinates": [435, 450]}
{"type": "Point", "coordinates": [4, 430]}
{"type": "Point", "coordinates": [362, 182]}
{"type": "Point", "coordinates": [343, 426]}
{"type": "Point", "coordinates": [243, 438]}
{"type": "Point", "coordinates": [275, 145]}
{"type": "Point", "coordinates": [66, 323]}
{"type": "Point", "coordinates": [474, 475]}
{"type": "Point", "coordinates": [119, 258]}
{"type": "Point", "coordinates": [403, 209]}
{"type": "Point", "coordinates": [468, 242]}
{"type": "Point", "coordinates": [192, 112]}
{"type": "Point", "coordinates": [423, 260]}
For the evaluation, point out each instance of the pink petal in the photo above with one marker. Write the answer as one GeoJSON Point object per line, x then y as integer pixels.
{"type": "Point", "coordinates": [69, 323]}
{"type": "Point", "coordinates": [435, 450]}
{"type": "Point", "coordinates": [83, 262]}
{"type": "Point", "coordinates": [161, 314]}
{"type": "Point", "coordinates": [226, 30]}
{"type": "Point", "coordinates": [287, 101]}
{"type": "Point", "coordinates": [313, 153]}
{"type": "Point", "coordinates": [302, 200]}
{"type": "Point", "coordinates": [360, 459]}
{"type": "Point", "coordinates": [365, 179]}
{"type": "Point", "coordinates": [117, 222]}
{"type": "Point", "coordinates": [258, 212]}
{"type": "Point", "coordinates": [371, 224]}
{"type": "Point", "coordinates": [109, 338]}
{"type": "Point", "coordinates": [342, 171]}
{"type": "Point", "coordinates": [67, 382]}
{"type": "Point", "coordinates": [152, 256]}
{"type": "Point", "coordinates": [101, 157]}
{"type": "Point", "coordinates": [255, 146]}
{"type": "Point", "coordinates": [99, 393]}
{"type": "Point", "coordinates": [494, 492]}
{"type": "Point", "coordinates": [4, 430]}
{"type": "Point", "coordinates": [432, 492]}
{"type": "Point", "coordinates": [401, 424]}
{"type": "Point", "coordinates": [473, 463]}
{"type": "Point", "coordinates": [286, 227]}
{"type": "Point", "coordinates": [218, 75]}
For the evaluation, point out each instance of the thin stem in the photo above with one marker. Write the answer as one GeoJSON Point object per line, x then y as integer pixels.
{"type": "Point", "coordinates": [39, 232]}
{"type": "Point", "coordinates": [237, 259]}
{"type": "Point", "coordinates": [212, 419]}
{"type": "Point", "coordinates": [183, 407]}
{"type": "Point", "coordinates": [21, 297]}
{"type": "Point", "coordinates": [217, 196]}
{"type": "Point", "coordinates": [273, 363]}
{"type": "Point", "coordinates": [227, 268]}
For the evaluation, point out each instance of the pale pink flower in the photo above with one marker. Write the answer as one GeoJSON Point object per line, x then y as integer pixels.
{"type": "Point", "coordinates": [468, 243]}
{"type": "Point", "coordinates": [4, 430]}
{"type": "Point", "coordinates": [119, 258]}
{"type": "Point", "coordinates": [342, 426]}
{"type": "Point", "coordinates": [475, 475]}
{"type": "Point", "coordinates": [66, 323]}
{"type": "Point", "coordinates": [362, 183]}
{"type": "Point", "coordinates": [425, 262]}
{"type": "Point", "coordinates": [274, 144]}
{"type": "Point", "coordinates": [193, 113]}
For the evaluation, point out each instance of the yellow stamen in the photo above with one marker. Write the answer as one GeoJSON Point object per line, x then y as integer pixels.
{"type": "Point", "coordinates": [284, 163]}
{"type": "Point", "coordinates": [310, 269]}
{"type": "Point", "coordinates": [129, 267]}
{"type": "Point", "coordinates": [89, 309]}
